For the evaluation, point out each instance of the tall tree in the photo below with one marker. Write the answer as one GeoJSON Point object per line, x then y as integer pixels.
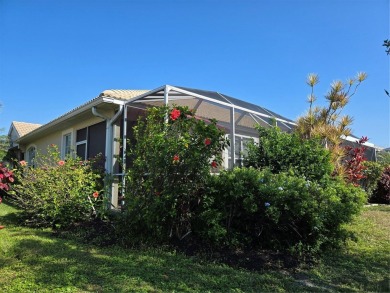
{"type": "Point", "coordinates": [327, 122]}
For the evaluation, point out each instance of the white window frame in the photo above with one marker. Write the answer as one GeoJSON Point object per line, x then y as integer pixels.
{"type": "Point", "coordinates": [82, 142]}
{"type": "Point", "coordinates": [31, 161]}
{"type": "Point", "coordinates": [226, 156]}
{"type": "Point", "coordinates": [67, 150]}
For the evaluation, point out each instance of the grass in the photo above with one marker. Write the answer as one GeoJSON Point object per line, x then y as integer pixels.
{"type": "Point", "coordinates": [34, 260]}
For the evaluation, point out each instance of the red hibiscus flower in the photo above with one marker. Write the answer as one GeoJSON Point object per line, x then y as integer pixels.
{"type": "Point", "coordinates": [214, 164]}
{"type": "Point", "coordinates": [61, 163]}
{"type": "Point", "coordinates": [207, 141]}
{"type": "Point", "coordinates": [95, 194]}
{"type": "Point", "coordinates": [176, 158]}
{"type": "Point", "coordinates": [175, 114]}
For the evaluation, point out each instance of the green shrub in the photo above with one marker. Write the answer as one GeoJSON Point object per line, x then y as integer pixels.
{"type": "Point", "coordinates": [58, 193]}
{"type": "Point", "coordinates": [172, 156]}
{"type": "Point", "coordinates": [249, 208]}
{"type": "Point", "coordinates": [372, 174]}
{"type": "Point", "coordinates": [280, 151]}
{"type": "Point", "coordinates": [382, 193]}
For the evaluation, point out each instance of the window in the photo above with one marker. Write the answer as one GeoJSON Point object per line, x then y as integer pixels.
{"type": "Point", "coordinates": [81, 143]}
{"type": "Point", "coordinates": [66, 145]}
{"type": "Point", "coordinates": [91, 141]}
{"type": "Point", "coordinates": [240, 150]}
{"type": "Point", "coordinates": [31, 152]}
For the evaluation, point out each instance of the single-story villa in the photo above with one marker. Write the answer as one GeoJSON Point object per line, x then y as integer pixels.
{"type": "Point", "coordinates": [100, 124]}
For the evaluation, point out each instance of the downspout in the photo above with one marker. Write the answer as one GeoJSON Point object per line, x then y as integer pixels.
{"type": "Point", "coordinates": [124, 151]}
{"type": "Point", "coordinates": [232, 137]}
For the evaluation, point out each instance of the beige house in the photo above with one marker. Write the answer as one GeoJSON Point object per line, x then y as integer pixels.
{"type": "Point", "coordinates": [98, 125]}
{"type": "Point", "coordinates": [17, 130]}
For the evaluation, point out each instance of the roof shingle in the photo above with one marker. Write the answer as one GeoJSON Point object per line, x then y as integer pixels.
{"type": "Point", "coordinates": [22, 128]}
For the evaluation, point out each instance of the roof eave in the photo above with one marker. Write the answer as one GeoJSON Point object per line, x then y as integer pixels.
{"type": "Point", "coordinates": [62, 118]}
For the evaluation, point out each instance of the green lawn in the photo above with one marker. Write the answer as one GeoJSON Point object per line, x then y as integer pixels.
{"type": "Point", "coordinates": [33, 260]}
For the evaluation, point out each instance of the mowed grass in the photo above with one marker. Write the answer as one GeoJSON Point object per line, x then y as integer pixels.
{"type": "Point", "coordinates": [33, 260]}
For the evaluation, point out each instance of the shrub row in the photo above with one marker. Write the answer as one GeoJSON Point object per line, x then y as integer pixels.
{"type": "Point", "coordinates": [284, 199]}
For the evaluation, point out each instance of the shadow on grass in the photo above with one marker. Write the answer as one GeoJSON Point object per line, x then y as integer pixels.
{"type": "Point", "coordinates": [38, 261]}
{"type": "Point", "coordinates": [63, 264]}
{"type": "Point", "coordinates": [350, 273]}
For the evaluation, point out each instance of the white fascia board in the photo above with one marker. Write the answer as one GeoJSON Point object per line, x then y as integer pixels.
{"type": "Point", "coordinates": [110, 100]}
{"type": "Point", "coordinates": [353, 139]}
{"type": "Point", "coordinates": [146, 94]}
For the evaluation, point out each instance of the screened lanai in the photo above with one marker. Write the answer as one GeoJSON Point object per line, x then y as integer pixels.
{"type": "Point", "coordinates": [237, 117]}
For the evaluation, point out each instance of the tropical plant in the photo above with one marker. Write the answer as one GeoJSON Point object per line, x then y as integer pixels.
{"type": "Point", "coordinates": [354, 158]}
{"type": "Point", "coordinates": [386, 43]}
{"type": "Point", "coordinates": [326, 122]}
{"type": "Point", "coordinates": [6, 179]}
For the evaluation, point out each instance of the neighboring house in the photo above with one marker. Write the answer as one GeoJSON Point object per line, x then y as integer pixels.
{"type": "Point", "coordinates": [99, 125]}
{"type": "Point", "coordinates": [17, 130]}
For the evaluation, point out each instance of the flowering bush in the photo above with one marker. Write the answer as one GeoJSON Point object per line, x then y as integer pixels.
{"type": "Point", "coordinates": [249, 208]}
{"type": "Point", "coordinates": [6, 178]}
{"type": "Point", "coordinates": [171, 159]}
{"type": "Point", "coordinates": [57, 193]}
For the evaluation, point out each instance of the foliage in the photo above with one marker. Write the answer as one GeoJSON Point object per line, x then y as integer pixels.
{"type": "Point", "coordinates": [57, 193]}
{"type": "Point", "coordinates": [354, 167]}
{"type": "Point", "coordinates": [249, 208]}
{"type": "Point", "coordinates": [386, 43]}
{"type": "Point", "coordinates": [384, 157]}
{"type": "Point", "coordinates": [33, 260]}
{"type": "Point", "coordinates": [382, 193]}
{"type": "Point", "coordinates": [171, 161]}
{"type": "Point", "coordinates": [372, 174]}
{"type": "Point", "coordinates": [326, 122]}
{"type": "Point", "coordinates": [281, 151]}
{"type": "Point", "coordinates": [4, 146]}
{"type": "Point", "coordinates": [6, 178]}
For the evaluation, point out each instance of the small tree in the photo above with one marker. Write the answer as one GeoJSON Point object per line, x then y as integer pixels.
{"type": "Point", "coordinates": [172, 157]}
{"type": "Point", "coordinates": [326, 122]}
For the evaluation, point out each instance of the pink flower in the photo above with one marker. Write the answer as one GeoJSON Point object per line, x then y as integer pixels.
{"type": "Point", "coordinates": [61, 163]}
{"type": "Point", "coordinates": [95, 194]}
{"type": "Point", "coordinates": [23, 163]}
{"type": "Point", "coordinates": [207, 141]}
{"type": "Point", "coordinates": [214, 164]}
{"type": "Point", "coordinates": [175, 114]}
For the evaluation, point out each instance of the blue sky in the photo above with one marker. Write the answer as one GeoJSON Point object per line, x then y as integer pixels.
{"type": "Point", "coordinates": [57, 55]}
